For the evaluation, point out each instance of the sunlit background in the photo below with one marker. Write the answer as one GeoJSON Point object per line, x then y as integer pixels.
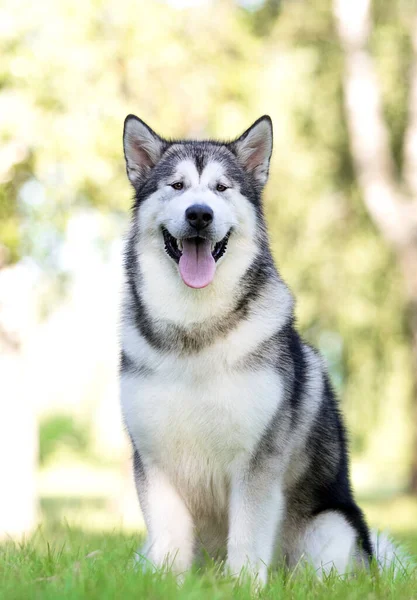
{"type": "Point", "coordinates": [70, 71]}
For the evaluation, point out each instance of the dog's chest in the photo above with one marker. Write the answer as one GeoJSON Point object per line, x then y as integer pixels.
{"type": "Point", "coordinates": [196, 422]}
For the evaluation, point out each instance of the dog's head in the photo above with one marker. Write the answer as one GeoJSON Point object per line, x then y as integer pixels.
{"type": "Point", "coordinates": [198, 203]}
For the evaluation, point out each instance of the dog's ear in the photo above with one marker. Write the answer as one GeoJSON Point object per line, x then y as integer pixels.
{"type": "Point", "coordinates": [254, 148]}
{"type": "Point", "coordinates": [142, 147]}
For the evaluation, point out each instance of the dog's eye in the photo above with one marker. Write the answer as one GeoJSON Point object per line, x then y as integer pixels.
{"type": "Point", "coordinates": [178, 185]}
{"type": "Point", "coordinates": [221, 188]}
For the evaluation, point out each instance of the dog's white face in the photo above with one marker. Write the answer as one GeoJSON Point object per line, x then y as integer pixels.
{"type": "Point", "coordinates": [197, 210]}
{"type": "Point", "coordinates": [192, 216]}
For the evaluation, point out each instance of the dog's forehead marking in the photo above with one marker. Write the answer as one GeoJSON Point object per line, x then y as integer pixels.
{"type": "Point", "coordinates": [187, 168]}
{"type": "Point", "coordinates": [212, 172]}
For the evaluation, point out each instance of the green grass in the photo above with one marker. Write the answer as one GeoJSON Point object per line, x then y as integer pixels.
{"type": "Point", "coordinates": [70, 563]}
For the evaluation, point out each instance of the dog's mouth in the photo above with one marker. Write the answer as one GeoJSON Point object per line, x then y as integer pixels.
{"type": "Point", "coordinates": [195, 256]}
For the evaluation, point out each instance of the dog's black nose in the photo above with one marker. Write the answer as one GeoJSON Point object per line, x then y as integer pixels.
{"type": "Point", "coordinates": [199, 216]}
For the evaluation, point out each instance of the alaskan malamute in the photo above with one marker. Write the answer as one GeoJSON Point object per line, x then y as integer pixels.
{"type": "Point", "coordinates": [239, 446]}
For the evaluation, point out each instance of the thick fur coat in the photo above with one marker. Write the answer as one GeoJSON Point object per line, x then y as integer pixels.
{"type": "Point", "coordinates": [238, 442]}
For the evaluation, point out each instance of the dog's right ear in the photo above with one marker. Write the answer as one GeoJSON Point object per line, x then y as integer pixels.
{"type": "Point", "coordinates": [142, 148]}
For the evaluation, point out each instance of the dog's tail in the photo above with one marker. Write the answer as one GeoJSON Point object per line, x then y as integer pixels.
{"type": "Point", "coordinates": [389, 555]}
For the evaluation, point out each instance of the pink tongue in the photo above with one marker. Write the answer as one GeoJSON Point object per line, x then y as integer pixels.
{"type": "Point", "coordinates": [197, 265]}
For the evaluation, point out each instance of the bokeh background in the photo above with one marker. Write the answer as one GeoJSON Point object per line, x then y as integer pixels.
{"type": "Point", "coordinates": [339, 80]}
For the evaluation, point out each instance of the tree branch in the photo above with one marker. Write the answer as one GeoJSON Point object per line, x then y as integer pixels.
{"type": "Point", "coordinates": [367, 129]}
{"type": "Point", "coordinates": [410, 140]}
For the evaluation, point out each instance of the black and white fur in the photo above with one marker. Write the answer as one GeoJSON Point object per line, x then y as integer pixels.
{"type": "Point", "coordinates": [239, 446]}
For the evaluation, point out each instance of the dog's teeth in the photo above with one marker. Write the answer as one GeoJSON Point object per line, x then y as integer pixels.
{"type": "Point", "coordinates": [179, 244]}
{"type": "Point", "coordinates": [213, 245]}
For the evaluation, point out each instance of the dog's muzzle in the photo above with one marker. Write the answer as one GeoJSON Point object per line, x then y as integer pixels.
{"type": "Point", "coordinates": [195, 255]}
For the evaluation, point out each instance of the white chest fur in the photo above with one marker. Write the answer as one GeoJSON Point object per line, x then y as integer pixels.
{"type": "Point", "coordinates": [196, 422]}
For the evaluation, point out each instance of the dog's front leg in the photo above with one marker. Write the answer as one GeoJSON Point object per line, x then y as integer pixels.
{"type": "Point", "coordinates": [255, 514]}
{"type": "Point", "coordinates": [170, 541]}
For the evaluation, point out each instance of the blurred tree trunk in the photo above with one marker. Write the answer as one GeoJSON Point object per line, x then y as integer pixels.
{"type": "Point", "coordinates": [391, 204]}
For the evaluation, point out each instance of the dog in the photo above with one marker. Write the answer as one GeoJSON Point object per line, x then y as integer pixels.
{"type": "Point", "coordinates": [239, 447]}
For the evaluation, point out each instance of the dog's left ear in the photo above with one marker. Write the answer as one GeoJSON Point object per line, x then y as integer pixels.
{"type": "Point", "coordinates": [142, 147]}
{"type": "Point", "coordinates": [254, 148]}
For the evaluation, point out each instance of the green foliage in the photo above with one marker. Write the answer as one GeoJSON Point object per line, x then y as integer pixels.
{"type": "Point", "coordinates": [71, 71]}
{"type": "Point", "coordinates": [58, 432]}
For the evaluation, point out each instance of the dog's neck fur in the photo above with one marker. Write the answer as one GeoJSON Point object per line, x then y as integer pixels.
{"type": "Point", "coordinates": [175, 318]}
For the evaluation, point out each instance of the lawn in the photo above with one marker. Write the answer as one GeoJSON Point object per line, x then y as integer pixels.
{"type": "Point", "coordinates": [66, 562]}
